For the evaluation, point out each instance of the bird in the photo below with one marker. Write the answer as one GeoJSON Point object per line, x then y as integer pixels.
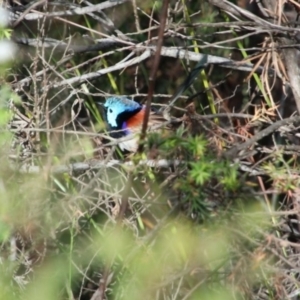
{"type": "Point", "coordinates": [125, 117]}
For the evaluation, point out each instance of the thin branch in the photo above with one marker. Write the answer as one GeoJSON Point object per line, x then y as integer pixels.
{"type": "Point", "coordinates": [239, 12]}
{"type": "Point", "coordinates": [96, 165]}
{"type": "Point", "coordinates": [175, 52]}
{"type": "Point", "coordinates": [14, 19]}
{"type": "Point", "coordinates": [234, 151]}
{"type": "Point", "coordinates": [57, 45]}
{"type": "Point", "coordinates": [152, 77]}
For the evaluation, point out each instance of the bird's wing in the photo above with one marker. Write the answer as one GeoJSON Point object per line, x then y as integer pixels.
{"type": "Point", "coordinates": [156, 121]}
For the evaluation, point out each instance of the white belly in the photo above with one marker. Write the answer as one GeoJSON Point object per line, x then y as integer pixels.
{"type": "Point", "coordinates": [130, 145]}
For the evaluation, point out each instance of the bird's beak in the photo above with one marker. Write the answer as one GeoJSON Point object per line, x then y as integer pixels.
{"type": "Point", "coordinates": [101, 106]}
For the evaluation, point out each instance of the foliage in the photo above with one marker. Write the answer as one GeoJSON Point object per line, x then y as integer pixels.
{"type": "Point", "coordinates": [209, 209]}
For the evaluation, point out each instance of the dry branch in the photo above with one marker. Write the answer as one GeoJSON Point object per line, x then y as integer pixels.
{"type": "Point", "coordinates": [14, 17]}
{"type": "Point", "coordinates": [235, 151]}
{"type": "Point", "coordinates": [165, 51]}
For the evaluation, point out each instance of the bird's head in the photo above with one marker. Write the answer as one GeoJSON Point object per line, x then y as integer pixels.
{"type": "Point", "coordinates": [118, 110]}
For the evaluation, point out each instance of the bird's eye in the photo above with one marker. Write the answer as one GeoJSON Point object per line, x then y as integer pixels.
{"type": "Point", "coordinates": [110, 110]}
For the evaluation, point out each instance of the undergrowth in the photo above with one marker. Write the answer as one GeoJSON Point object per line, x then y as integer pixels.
{"type": "Point", "coordinates": [209, 210]}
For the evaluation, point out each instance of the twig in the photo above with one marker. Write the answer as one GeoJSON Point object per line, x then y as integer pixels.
{"type": "Point", "coordinates": [73, 12]}
{"type": "Point", "coordinates": [174, 52]}
{"type": "Point", "coordinates": [239, 12]}
{"type": "Point", "coordinates": [234, 151]}
{"type": "Point", "coordinates": [57, 45]}
{"type": "Point", "coordinates": [96, 165]}
{"type": "Point", "coordinates": [26, 12]}
{"type": "Point", "coordinates": [152, 77]}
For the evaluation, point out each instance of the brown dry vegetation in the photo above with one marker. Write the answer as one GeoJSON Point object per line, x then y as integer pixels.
{"type": "Point", "coordinates": [209, 211]}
